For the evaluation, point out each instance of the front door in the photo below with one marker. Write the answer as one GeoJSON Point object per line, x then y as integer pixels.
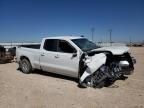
{"type": "Point", "coordinates": [68, 59]}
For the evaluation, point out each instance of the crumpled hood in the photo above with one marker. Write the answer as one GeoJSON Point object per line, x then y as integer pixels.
{"type": "Point", "coordinates": [116, 50]}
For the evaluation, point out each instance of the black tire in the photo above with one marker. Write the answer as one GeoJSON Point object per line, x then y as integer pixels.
{"type": "Point", "coordinates": [25, 66]}
{"type": "Point", "coordinates": [82, 85]}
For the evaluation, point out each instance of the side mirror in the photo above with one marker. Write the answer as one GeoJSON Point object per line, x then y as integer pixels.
{"type": "Point", "coordinates": [74, 55]}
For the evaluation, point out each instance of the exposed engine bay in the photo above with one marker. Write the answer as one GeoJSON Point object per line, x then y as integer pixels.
{"type": "Point", "coordinates": [97, 68]}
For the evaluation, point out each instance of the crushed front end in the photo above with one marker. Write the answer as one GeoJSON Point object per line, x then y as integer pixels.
{"type": "Point", "coordinates": [100, 67]}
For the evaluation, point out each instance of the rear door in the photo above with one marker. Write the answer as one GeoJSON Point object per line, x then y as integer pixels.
{"type": "Point", "coordinates": [48, 55]}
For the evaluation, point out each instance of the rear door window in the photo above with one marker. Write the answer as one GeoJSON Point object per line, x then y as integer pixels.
{"type": "Point", "coordinates": [50, 45]}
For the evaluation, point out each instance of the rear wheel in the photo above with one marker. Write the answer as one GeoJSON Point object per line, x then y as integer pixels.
{"type": "Point", "coordinates": [25, 66]}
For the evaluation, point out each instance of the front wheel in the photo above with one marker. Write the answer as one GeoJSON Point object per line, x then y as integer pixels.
{"type": "Point", "coordinates": [25, 66]}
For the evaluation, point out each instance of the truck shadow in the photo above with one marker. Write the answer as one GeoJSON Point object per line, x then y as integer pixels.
{"type": "Point", "coordinates": [108, 83]}
{"type": "Point", "coordinates": [55, 75]}
{"type": "Point", "coordinates": [111, 84]}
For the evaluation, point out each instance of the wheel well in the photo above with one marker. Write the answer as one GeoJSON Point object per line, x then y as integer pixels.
{"type": "Point", "coordinates": [24, 57]}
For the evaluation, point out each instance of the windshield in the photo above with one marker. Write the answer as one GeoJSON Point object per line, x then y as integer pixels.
{"type": "Point", "coordinates": [84, 44]}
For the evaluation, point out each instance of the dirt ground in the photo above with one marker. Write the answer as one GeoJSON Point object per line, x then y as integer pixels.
{"type": "Point", "coordinates": [42, 90]}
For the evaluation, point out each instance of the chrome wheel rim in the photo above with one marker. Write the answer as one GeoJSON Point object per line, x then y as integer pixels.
{"type": "Point", "coordinates": [24, 66]}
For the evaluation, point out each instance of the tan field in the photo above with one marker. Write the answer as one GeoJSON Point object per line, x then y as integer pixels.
{"type": "Point", "coordinates": [42, 90]}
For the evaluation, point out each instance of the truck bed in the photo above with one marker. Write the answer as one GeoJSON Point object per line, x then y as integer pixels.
{"type": "Point", "coordinates": [35, 46]}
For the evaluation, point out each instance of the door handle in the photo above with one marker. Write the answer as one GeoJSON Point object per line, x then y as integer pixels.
{"type": "Point", "coordinates": [42, 54]}
{"type": "Point", "coordinates": [56, 56]}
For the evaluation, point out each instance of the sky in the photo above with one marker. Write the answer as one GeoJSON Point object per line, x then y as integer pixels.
{"type": "Point", "coordinates": [31, 20]}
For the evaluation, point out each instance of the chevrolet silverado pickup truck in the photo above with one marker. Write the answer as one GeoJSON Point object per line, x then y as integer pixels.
{"type": "Point", "coordinates": [76, 57]}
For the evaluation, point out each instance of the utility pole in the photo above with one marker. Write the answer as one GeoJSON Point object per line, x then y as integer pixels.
{"type": "Point", "coordinates": [130, 41]}
{"type": "Point", "coordinates": [110, 30]}
{"type": "Point", "coordinates": [92, 30]}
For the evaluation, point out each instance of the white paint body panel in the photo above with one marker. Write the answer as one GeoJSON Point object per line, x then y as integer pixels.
{"type": "Point", "coordinates": [32, 54]}
{"type": "Point", "coordinates": [55, 62]}
{"type": "Point", "coordinates": [61, 63]}
{"type": "Point", "coordinates": [116, 50]}
{"type": "Point", "coordinates": [93, 63]}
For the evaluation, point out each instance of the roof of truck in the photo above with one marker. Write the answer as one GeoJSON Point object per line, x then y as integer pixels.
{"type": "Point", "coordinates": [64, 37]}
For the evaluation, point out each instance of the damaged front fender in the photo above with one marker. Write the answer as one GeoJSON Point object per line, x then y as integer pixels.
{"type": "Point", "coordinates": [93, 64]}
{"type": "Point", "coordinates": [100, 68]}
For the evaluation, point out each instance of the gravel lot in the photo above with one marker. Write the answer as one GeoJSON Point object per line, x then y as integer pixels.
{"type": "Point", "coordinates": [44, 90]}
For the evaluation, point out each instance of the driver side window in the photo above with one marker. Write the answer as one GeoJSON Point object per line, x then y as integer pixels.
{"type": "Point", "coordinates": [64, 46]}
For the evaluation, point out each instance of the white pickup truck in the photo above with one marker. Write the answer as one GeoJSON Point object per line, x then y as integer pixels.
{"type": "Point", "coordinates": [76, 57]}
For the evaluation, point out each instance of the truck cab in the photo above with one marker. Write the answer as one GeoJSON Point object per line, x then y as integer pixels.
{"type": "Point", "coordinates": [60, 55]}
